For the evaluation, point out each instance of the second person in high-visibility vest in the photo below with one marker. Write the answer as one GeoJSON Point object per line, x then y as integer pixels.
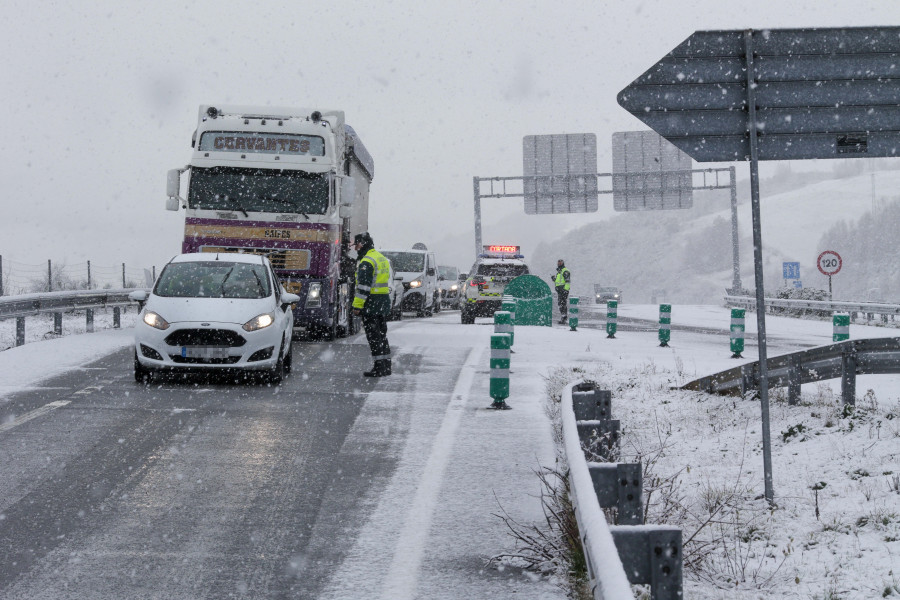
{"type": "Point", "coordinates": [562, 283]}
{"type": "Point", "coordinates": [372, 301]}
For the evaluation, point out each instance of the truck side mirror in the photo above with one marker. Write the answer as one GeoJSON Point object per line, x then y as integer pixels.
{"type": "Point", "coordinates": [345, 211]}
{"type": "Point", "coordinates": [173, 189]}
{"type": "Point", "coordinates": [348, 191]}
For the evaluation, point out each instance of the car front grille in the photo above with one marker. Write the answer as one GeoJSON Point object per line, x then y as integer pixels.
{"type": "Point", "coordinates": [185, 360]}
{"type": "Point", "coordinates": [205, 337]}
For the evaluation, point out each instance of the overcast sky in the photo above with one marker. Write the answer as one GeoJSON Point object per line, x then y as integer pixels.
{"type": "Point", "coordinates": [101, 100]}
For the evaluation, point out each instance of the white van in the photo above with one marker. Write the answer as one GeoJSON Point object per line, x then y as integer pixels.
{"type": "Point", "coordinates": [418, 268]}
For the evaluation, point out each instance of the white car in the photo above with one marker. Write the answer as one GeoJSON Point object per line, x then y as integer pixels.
{"type": "Point", "coordinates": [213, 312]}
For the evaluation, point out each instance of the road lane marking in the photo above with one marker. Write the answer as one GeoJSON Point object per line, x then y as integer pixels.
{"type": "Point", "coordinates": [32, 415]}
{"type": "Point", "coordinates": [402, 578]}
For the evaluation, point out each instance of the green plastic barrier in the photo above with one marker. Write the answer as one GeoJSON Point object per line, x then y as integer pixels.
{"type": "Point", "coordinates": [499, 364]}
{"type": "Point", "coordinates": [534, 301]}
{"type": "Point", "coordinates": [612, 318]}
{"type": "Point", "coordinates": [737, 332]}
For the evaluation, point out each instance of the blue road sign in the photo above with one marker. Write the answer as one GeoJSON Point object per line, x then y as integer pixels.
{"type": "Point", "coordinates": [798, 284]}
{"type": "Point", "coordinates": [790, 270]}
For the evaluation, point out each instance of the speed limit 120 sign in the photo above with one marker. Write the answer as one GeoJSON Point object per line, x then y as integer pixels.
{"type": "Point", "coordinates": [829, 262]}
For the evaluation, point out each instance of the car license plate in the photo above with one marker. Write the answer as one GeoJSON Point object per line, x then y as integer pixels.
{"type": "Point", "coordinates": [204, 352]}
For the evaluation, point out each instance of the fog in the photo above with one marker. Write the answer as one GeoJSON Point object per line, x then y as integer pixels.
{"type": "Point", "coordinates": [102, 100]}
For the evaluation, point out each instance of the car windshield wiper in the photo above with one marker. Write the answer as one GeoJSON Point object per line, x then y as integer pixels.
{"type": "Point", "coordinates": [231, 200]}
{"type": "Point", "coordinates": [224, 279]}
{"type": "Point", "coordinates": [259, 283]}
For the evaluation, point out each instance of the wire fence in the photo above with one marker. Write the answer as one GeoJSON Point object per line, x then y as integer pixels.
{"type": "Point", "coordinates": [53, 276]}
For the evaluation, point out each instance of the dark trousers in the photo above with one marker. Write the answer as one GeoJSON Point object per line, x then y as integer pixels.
{"type": "Point", "coordinates": [563, 301]}
{"type": "Point", "coordinates": [375, 327]}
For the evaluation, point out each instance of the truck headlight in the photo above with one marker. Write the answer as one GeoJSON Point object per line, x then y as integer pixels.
{"type": "Point", "coordinates": [454, 287]}
{"type": "Point", "coordinates": [259, 322]}
{"type": "Point", "coordinates": [154, 320]}
{"type": "Point", "coordinates": [415, 283]}
{"type": "Point", "coordinates": [314, 295]}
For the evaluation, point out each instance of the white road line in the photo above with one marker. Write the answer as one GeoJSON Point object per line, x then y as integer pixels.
{"type": "Point", "coordinates": [32, 415]}
{"type": "Point", "coordinates": [400, 583]}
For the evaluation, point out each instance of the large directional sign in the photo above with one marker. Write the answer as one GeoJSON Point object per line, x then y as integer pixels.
{"type": "Point", "coordinates": [816, 93]}
{"type": "Point", "coordinates": [560, 173]}
{"type": "Point", "coordinates": [649, 173]}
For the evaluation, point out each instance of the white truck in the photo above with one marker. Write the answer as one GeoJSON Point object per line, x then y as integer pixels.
{"type": "Point", "coordinates": [289, 183]}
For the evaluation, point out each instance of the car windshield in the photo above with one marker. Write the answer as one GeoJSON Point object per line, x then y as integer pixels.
{"type": "Point", "coordinates": [409, 262]}
{"type": "Point", "coordinates": [213, 279]}
{"type": "Point", "coordinates": [259, 190]}
{"type": "Point", "coordinates": [448, 272]}
{"type": "Point", "coordinates": [607, 290]}
{"type": "Point", "coordinates": [502, 270]}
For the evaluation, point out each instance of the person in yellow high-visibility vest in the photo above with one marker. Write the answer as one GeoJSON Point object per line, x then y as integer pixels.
{"type": "Point", "coordinates": [372, 301]}
{"type": "Point", "coordinates": [562, 283]}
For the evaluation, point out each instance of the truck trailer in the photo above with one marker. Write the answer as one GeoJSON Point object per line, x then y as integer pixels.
{"type": "Point", "coordinates": [289, 183]}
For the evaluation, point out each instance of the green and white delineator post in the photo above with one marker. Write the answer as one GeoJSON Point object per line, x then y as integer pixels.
{"type": "Point", "coordinates": [503, 323]}
{"type": "Point", "coordinates": [737, 332]}
{"type": "Point", "coordinates": [500, 343]}
{"type": "Point", "coordinates": [840, 323]}
{"type": "Point", "coordinates": [573, 313]}
{"type": "Point", "coordinates": [665, 324]}
{"type": "Point", "coordinates": [612, 318]}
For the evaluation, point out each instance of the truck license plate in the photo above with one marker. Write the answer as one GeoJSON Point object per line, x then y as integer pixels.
{"type": "Point", "coordinates": [204, 352]}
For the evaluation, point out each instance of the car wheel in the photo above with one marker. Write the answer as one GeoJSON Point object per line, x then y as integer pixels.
{"type": "Point", "coordinates": [141, 373]}
{"type": "Point", "coordinates": [289, 358]}
{"type": "Point", "coordinates": [467, 316]}
{"type": "Point", "coordinates": [276, 374]}
{"type": "Point", "coordinates": [420, 310]}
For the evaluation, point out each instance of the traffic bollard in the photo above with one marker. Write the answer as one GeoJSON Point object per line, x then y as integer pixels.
{"type": "Point", "coordinates": [499, 390]}
{"type": "Point", "coordinates": [737, 332]}
{"type": "Point", "coordinates": [503, 324]}
{"type": "Point", "coordinates": [573, 313]}
{"type": "Point", "coordinates": [612, 318]}
{"type": "Point", "coordinates": [665, 324]}
{"type": "Point", "coordinates": [841, 324]}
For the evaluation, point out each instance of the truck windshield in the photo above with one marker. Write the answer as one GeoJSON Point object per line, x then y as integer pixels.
{"type": "Point", "coordinates": [259, 190]}
{"type": "Point", "coordinates": [408, 262]}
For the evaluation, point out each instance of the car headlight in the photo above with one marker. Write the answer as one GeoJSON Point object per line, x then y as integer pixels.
{"type": "Point", "coordinates": [154, 320]}
{"type": "Point", "coordinates": [314, 295]}
{"type": "Point", "coordinates": [454, 287]}
{"type": "Point", "coordinates": [415, 283]}
{"type": "Point", "coordinates": [259, 322]}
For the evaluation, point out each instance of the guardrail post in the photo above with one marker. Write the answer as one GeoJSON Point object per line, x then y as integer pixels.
{"type": "Point", "coordinates": [601, 438]}
{"type": "Point", "coordinates": [737, 332]}
{"type": "Point", "coordinates": [57, 323]}
{"type": "Point", "coordinates": [89, 320]}
{"type": "Point", "coordinates": [591, 404]}
{"type": "Point", "coordinates": [653, 555]}
{"type": "Point", "coordinates": [612, 318]}
{"type": "Point", "coordinates": [848, 376]}
{"type": "Point", "coordinates": [665, 324]}
{"type": "Point", "coordinates": [573, 313]}
{"type": "Point", "coordinates": [794, 374]}
{"type": "Point", "coordinates": [20, 331]}
{"type": "Point", "coordinates": [117, 317]}
{"type": "Point", "coordinates": [841, 325]}
{"type": "Point", "coordinates": [619, 486]}
{"type": "Point", "coordinates": [499, 364]}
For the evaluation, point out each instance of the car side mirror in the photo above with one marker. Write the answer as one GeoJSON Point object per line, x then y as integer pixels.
{"type": "Point", "coordinates": [429, 272]}
{"type": "Point", "coordinates": [288, 299]}
{"type": "Point", "coordinates": [138, 296]}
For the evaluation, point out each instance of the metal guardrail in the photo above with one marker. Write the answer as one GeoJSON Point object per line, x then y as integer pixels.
{"type": "Point", "coordinates": [828, 306]}
{"type": "Point", "coordinates": [19, 307]}
{"type": "Point", "coordinates": [846, 360]}
{"type": "Point", "coordinates": [616, 555]}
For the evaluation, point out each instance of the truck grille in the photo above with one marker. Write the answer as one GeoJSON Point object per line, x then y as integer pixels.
{"type": "Point", "coordinates": [205, 337]}
{"type": "Point", "coordinates": [292, 260]}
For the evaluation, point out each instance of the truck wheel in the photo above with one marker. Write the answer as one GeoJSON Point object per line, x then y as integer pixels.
{"type": "Point", "coordinates": [420, 310]}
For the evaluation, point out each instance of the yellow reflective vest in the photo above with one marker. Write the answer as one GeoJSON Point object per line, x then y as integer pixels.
{"type": "Point", "coordinates": [561, 280]}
